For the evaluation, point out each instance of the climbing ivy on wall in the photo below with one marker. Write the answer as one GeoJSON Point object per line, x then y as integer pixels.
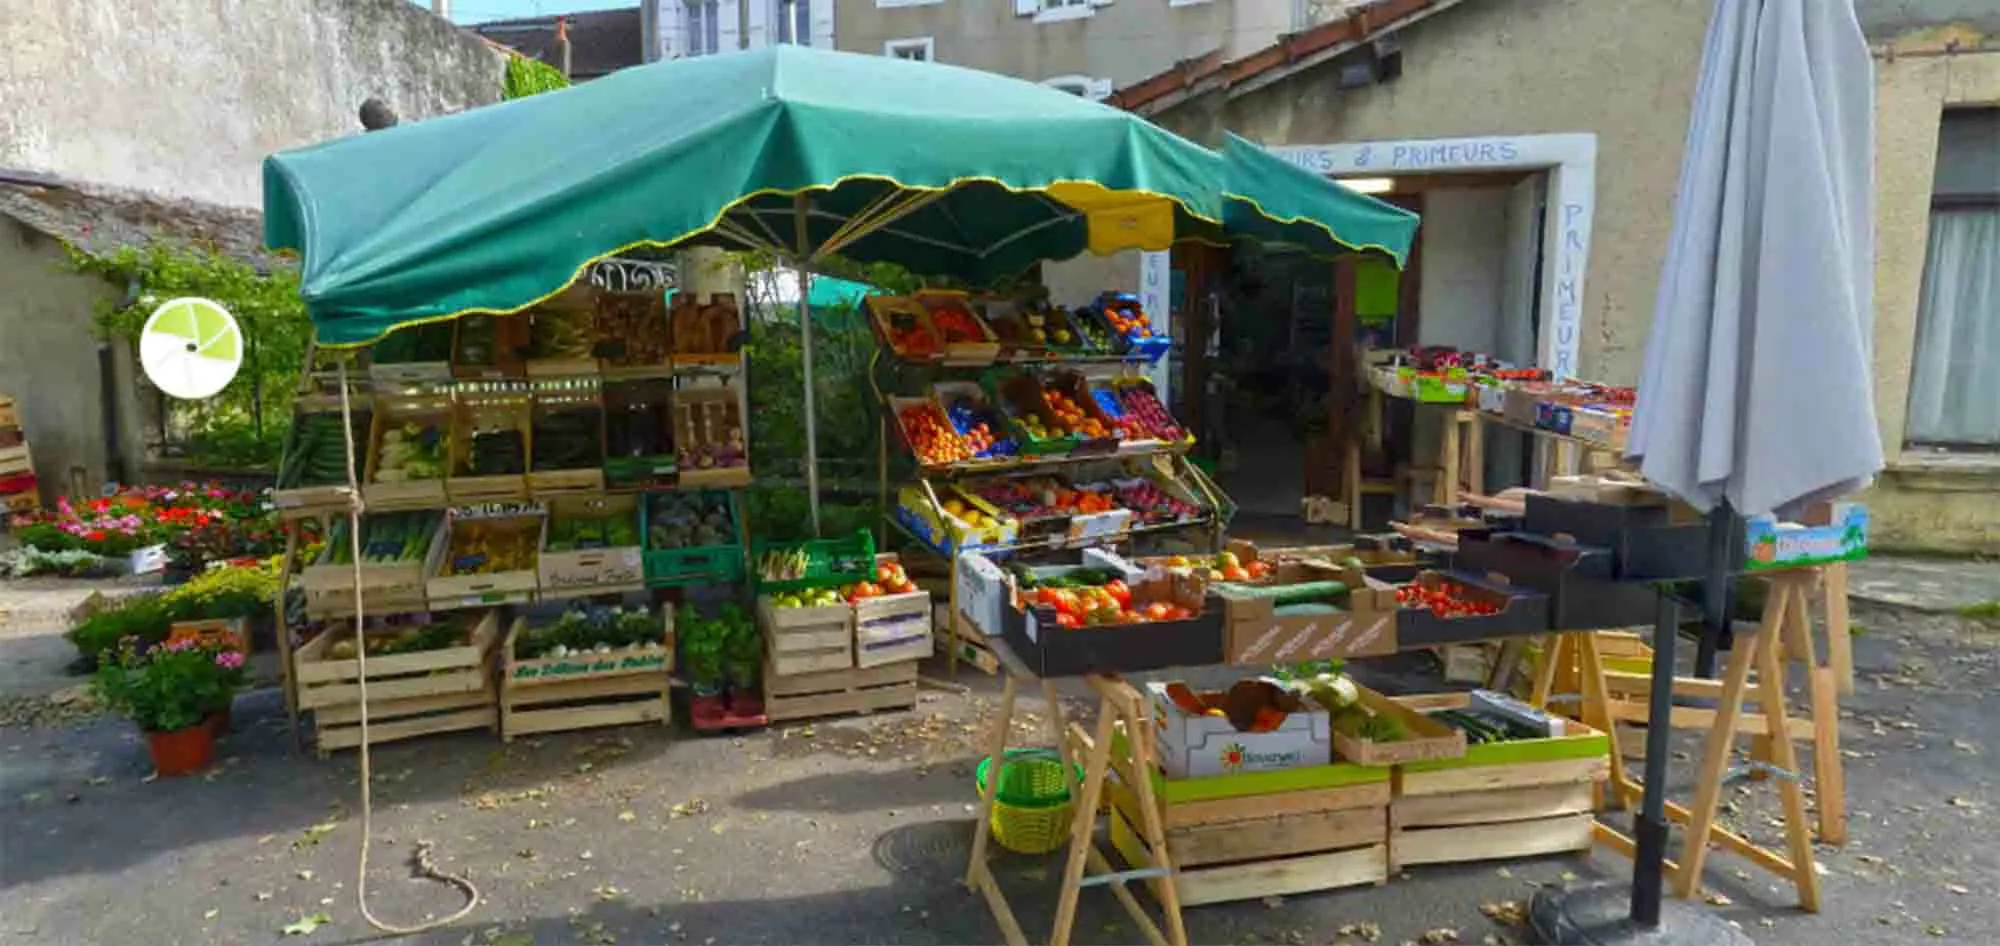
{"type": "Point", "coordinates": [245, 424]}
{"type": "Point", "coordinates": [527, 77]}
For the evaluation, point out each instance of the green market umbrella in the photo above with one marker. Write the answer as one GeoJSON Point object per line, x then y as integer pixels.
{"type": "Point", "coordinates": [1273, 201]}
{"type": "Point", "coordinates": [798, 152]}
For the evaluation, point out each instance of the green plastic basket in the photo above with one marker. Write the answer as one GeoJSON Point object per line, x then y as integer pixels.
{"type": "Point", "coordinates": [1031, 800]}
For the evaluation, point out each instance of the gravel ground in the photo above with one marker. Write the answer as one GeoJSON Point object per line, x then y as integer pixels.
{"type": "Point", "coordinates": [855, 831]}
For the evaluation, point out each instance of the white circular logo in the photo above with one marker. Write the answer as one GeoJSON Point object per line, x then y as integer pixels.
{"type": "Point", "coordinates": [191, 348]}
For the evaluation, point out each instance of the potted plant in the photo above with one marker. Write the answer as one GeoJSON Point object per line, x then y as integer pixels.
{"type": "Point", "coordinates": [743, 661]}
{"type": "Point", "coordinates": [703, 646]}
{"type": "Point", "coordinates": [170, 691]}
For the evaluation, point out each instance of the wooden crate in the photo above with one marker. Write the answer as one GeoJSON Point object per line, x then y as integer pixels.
{"type": "Point", "coordinates": [480, 589]}
{"type": "Point", "coordinates": [1520, 798]}
{"type": "Point", "coordinates": [1263, 834]}
{"type": "Point", "coordinates": [839, 692]}
{"type": "Point", "coordinates": [551, 694]}
{"type": "Point", "coordinates": [892, 628]}
{"type": "Point", "coordinates": [1428, 738]}
{"type": "Point", "coordinates": [390, 412]}
{"type": "Point", "coordinates": [16, 459]}
{"type": "Point", "coordinates": [409, 695]}
{"type": "Point", "coordinates": [486, 407]}
{"type": "Point", "coordinates": [386, 587]}
{"type": "Point", "coordinates": [806, 640]}
{"type": "Point", "coordinates": [592, 571]}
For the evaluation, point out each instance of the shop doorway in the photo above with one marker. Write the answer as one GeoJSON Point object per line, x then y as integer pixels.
{"type": "Point", "coordinates": [1276, 377]}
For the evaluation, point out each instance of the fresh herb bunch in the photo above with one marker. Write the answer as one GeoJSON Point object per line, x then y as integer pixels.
{"type": "Point", "coordinates": [719, 650]}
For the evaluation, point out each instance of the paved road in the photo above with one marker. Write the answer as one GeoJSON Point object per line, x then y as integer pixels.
{"type": "Point", "coordinates": [856, 832]}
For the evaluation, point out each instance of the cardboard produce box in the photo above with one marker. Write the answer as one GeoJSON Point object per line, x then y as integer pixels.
{"type": "Point", "coordinates": [1260, 629]}
{"type": "Point", "coordinates": [1198, 746]}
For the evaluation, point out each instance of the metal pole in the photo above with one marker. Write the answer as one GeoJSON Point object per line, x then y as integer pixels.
{"type": "Point", "coordinates": [812, 423]}
{"type": "Point", "coordinates": [1649, 830]}
{"type": "Point", "coordinates": [1715, 592]}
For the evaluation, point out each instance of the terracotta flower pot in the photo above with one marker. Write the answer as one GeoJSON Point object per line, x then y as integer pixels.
{"type": "Point", "coordinates": [183, 750]}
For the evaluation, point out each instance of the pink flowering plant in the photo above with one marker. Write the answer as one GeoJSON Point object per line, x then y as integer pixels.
{"type": "Point", "coordinates": [168, 687]}
{"type": "Point", "coordinates": [232, 522]}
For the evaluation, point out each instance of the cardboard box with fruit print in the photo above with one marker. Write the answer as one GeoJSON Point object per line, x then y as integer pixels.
{"type": "Point", "coordinates": [1836, 533]}
{"type": "Point", "coordinates": [1250, 727]}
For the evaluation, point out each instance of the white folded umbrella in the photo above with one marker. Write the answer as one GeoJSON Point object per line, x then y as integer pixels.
{"type": "Point", "coordinates": [1756, 388]}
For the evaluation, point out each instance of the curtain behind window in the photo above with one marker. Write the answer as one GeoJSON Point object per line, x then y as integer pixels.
{"type": "Point", "coordinates": [1955, 378]}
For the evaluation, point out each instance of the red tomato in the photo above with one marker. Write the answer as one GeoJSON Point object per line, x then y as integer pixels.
{"type": "Point", "coordinates": [1159, 611]}
{"type": "Point", "coordinates": [1119, 592]}
{"type": "Point", "coordinates": [1065, 619]}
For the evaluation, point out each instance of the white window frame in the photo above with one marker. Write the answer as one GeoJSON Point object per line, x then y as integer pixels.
{"type": "Point", "coordinates": [890, 4]}
{"type": "Point", "coordinates": [785, 24]}
{"type": "Point", "coordinates": [927, 43]}
{"type": "Point", "coordinates": [696, 31]}
{"type": "Point", "coordinates": [1060, 11]}
{"type": "Point", "coordinates": [1094, 88]}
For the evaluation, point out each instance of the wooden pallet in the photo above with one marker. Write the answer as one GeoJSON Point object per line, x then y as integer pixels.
{"type": "Point", "coordinates": [1521, 798]}
{"type": "Point", "coordinates": [409, 695]}
{"type": "Point", "coordinates": [840, 692]}
{"type": "Point", "coordinates": [1227, 847]}
{"type": "Point", "coordinates": [552, 694]}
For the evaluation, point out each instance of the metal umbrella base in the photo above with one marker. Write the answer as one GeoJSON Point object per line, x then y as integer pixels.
{"type": "Point", "coordinates": [1600, 915]}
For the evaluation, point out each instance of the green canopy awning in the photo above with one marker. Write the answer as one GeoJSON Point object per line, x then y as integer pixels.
{"type": "Point", "coordinates": [947, 171]}
{"type": "Point", "coordinates": [1273, 201]}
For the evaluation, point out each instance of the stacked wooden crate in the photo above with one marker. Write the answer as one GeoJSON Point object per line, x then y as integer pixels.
{"type": "Point", "coordinates": [846, 658]}
{"type": "Point", "coordinates": [19, 490]}
{"type": "Point", "coordinates": [1258, 834]}
{"type": "Point", "coordinates": [415, 694]}
{"type": "Point", "coordinates": [579, 691]}
{"type": "Point", "coordinates": [1519, 798]}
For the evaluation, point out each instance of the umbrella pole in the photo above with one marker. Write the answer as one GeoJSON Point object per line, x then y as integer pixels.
{"type": "Point", "coordinates": [1649, 830]}
{"type": "Point", "coordinates": [812, 421]}
{"type": "Point", "coordinates": [1716, 592]}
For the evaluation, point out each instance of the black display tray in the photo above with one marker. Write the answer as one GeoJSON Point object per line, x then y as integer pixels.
{"type": "Point", "coordinates": [1524, 611]}
{"type": "Point", "coordinates": [1645, 542]}
{"type": "Point", "coordinates": [1583, 595]}
{"type": "Point", "coordinates": [1056, 651]}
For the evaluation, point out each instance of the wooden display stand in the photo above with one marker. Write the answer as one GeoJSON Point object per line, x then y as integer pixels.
{"type": "Point", "coordinates": [1521, 798]}
{"type": "Point", "coordinates": [1784, 634]}
{"type": "Point", "coordinates": [551, 694]}
{"type": "Point", "coordinates": [1118, 703]}
{"type": "Point", "coordinates": [1235, 838]}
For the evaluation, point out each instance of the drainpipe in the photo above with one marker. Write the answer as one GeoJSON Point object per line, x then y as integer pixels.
{"type": "Point", "coordinates": [562, 41]}
{"type": "Point", "coordinates": [441, 8]}
{"type": "Point", "coordinates": [107, 392]}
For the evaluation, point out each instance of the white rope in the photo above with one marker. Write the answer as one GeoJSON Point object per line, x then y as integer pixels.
{"type": "Point", "coordinates": [420, 859]}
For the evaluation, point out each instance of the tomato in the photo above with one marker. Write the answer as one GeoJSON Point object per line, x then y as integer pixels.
{"type": "Point", "coordinates": [1065, 619]}
{"type": "Point", "coordinates": [1067, 603]}
{"type": "Point", "coordinates": [1119, 592]}
{"type": "Point", "coordinates": [1159, 611]}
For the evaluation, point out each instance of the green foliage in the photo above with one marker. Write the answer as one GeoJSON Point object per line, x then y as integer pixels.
{"type": "Point", "coordinates": [221, 593]}
{"type": "Point", "coordinates": [275, 327]}
{"type": "Point", "coordinates": [527, 77]}
{"type": "Point", "coordinates": [216, 594]}
{"type": "Point", "coordinates": [143, 617]}
{"type": "Point", "coordinates": [169, 688]}
{"type": "Point", "coordinates": [1988, 611]}
{"type": "Point", "coordinates": [717, 650]}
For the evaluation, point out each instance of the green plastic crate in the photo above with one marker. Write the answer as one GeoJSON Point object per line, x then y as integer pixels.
{"type": "Point", "coordinates": [698, 565]}
{"type": "Point", "coordinates": [830, 563]}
